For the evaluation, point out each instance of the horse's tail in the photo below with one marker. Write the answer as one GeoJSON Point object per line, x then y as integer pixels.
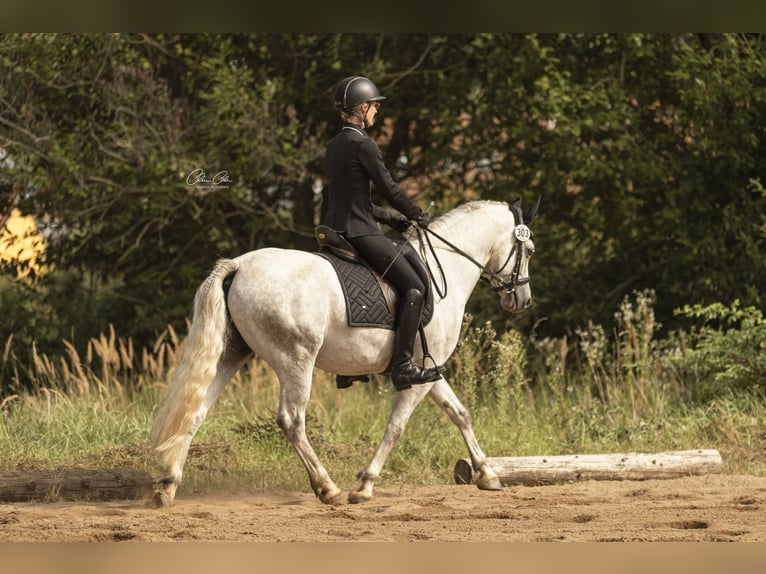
{"type": "Point", "coordinates": [189, 384]}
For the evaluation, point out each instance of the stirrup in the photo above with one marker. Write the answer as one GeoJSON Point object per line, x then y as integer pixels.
{"type": "Point", "coordinates": [416, 376]}
{"type": "Point", "coordinates": [345, 381]}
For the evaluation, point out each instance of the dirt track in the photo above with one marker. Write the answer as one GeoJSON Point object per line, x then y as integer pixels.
{"type": "Point", "coordinates": [707, 508]}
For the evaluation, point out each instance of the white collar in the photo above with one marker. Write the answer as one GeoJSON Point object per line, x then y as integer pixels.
{"type": "Point", "coordinates": [356, 129]}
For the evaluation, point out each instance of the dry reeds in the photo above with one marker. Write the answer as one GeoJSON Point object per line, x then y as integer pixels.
{"type": "Point", "coordinates": [108, 368]}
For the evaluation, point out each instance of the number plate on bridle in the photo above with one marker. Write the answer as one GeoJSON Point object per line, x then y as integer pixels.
{"type": "Point", "coordinates": [522, 232]}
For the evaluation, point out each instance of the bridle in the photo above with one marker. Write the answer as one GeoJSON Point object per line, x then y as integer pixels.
{"type": "Point", "coordinates": [497, 283]}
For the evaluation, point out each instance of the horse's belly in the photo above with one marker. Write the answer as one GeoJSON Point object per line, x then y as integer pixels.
{"type": "Point", "coordinates": [355, 350]}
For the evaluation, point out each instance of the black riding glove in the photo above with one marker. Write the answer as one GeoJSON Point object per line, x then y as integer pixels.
{"type": "Point", "coordinates": [400, 223]}
{"type": "Point", "coordinates": [423, 220]}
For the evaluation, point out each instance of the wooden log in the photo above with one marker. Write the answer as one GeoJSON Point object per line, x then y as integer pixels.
{"type": "Point", "coordinates": [539, 470]}
{"type": "Point", "coordinates": [74, 484]}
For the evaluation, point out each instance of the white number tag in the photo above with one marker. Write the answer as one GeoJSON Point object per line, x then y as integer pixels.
{"type": "Point", "coordinates": [522, 232]}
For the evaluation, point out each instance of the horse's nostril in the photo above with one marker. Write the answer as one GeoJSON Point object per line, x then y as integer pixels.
{"type": "Point", "coordinates": [527, 303]}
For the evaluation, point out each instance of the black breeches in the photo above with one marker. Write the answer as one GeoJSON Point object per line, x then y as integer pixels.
{"type": "Point", "coordinates": [378, 251]}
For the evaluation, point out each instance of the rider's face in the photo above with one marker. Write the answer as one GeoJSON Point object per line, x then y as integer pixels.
{"type": "Point", "coordinates": [371, 112]}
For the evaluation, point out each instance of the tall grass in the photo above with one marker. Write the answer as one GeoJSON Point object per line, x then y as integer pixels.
{"type": "Point", "coordinates": [591, 392]}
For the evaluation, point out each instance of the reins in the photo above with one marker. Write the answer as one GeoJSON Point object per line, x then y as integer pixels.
{"type": "Point", "coordinates": [507, 285]}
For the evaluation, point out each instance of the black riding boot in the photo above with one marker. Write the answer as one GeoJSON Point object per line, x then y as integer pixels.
{"type": "Point", "coordinates": [403, 373]}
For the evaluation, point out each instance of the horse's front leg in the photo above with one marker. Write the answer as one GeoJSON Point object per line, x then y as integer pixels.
{"type": "Point", "coordinates": [404, 406]}
{"type": "Point", "coordinates": [445, 397]}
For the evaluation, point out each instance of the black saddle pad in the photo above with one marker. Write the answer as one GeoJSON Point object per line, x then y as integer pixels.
{"type": "Point", "coordinates": [370, 300]}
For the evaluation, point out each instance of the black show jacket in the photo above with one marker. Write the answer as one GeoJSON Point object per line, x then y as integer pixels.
{"type": "Point", "coordinates": [353, 162]}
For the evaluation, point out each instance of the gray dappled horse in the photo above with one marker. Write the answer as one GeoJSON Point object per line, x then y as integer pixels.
{"type": "Point", "coordinates": [288, 308]}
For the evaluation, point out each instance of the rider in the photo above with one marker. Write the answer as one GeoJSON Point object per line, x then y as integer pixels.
{"type": "Point", "coordinates": [354, 161]}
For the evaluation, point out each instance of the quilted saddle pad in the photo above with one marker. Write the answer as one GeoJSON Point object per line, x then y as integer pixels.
{"type": "Point", "coordinates": [370, 300]}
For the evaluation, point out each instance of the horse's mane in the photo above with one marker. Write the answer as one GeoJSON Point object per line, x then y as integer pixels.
{"type": "Point", "coordinates": [461, 211]}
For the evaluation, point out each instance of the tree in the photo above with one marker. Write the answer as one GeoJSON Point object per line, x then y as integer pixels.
{"type": "Point", "coordinates": [648, 152]}
{"type": "Point", "coordinates": [106, 130]}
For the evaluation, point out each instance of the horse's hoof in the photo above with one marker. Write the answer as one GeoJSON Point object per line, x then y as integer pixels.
{"type": "Point", "coordinates": [332, 497]}
{"type": "Point", "coordinates": [160, 499]}
{"type": "Point", "coordinates": [489, 483]}
{"type": "Point", "coordinates": [359, 497]}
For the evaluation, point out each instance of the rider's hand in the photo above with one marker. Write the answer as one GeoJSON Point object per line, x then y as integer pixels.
{"type": "Point", "coordinates": [423, 220]}
{"type": "Point", "coordinates": [401, 224]}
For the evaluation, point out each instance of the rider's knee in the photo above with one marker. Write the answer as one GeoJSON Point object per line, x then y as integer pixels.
{"type": "Point", "coordinates": [413, 296]}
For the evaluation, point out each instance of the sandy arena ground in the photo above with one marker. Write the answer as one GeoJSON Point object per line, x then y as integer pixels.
{"type": "Point", "coordinates": [707, 508]}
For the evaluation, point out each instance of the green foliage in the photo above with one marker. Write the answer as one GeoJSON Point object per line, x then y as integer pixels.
{"type": "Point", "coordinates": [728, 352]}
{"type": "Point", "coordinates": [488, 370]}
{"type": "Point", "coordinates": [105, 130]}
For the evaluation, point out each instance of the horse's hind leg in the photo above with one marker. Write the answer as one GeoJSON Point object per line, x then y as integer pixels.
{"type": "Point", "coordinates": [445, 397]}
{"type": "Point", "coordinates": [295, 390]}
{"type": "Point", "coordinates": [401, 412]}
{"type": "Point", "coordinates": [230, 362]}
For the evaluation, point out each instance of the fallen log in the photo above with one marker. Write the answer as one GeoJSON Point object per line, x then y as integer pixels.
{"type": "Point", "coordinates": [539, 470]}
{"type": "Point", "coordinates": [74, 484]}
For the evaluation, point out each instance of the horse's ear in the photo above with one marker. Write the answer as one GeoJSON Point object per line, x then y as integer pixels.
{"type": "Point", "coordinates": [530, 212]}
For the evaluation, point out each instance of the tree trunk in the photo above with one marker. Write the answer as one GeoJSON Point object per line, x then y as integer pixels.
{"type": "Point", "coordinates": [74, 484]}
{"type": "Point", "coordinates": [537, 470]}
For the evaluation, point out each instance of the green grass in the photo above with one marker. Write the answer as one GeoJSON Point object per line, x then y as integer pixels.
{"type": "Point", "coordinates": [629, 394]}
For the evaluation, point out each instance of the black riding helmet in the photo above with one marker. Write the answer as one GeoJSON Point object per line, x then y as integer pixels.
{"type": "Point", "coordinates": [355, 90]}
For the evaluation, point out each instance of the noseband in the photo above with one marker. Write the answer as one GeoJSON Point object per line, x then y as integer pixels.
{"type": "Point", "coordinates": [497, 283]}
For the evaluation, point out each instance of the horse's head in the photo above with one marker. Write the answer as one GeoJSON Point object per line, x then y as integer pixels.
{"type": "Point", "coordinates": [511, 277]}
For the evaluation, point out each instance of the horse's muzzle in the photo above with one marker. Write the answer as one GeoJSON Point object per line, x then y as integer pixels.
{"type": "Point", "coordinates": [516, 302]}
